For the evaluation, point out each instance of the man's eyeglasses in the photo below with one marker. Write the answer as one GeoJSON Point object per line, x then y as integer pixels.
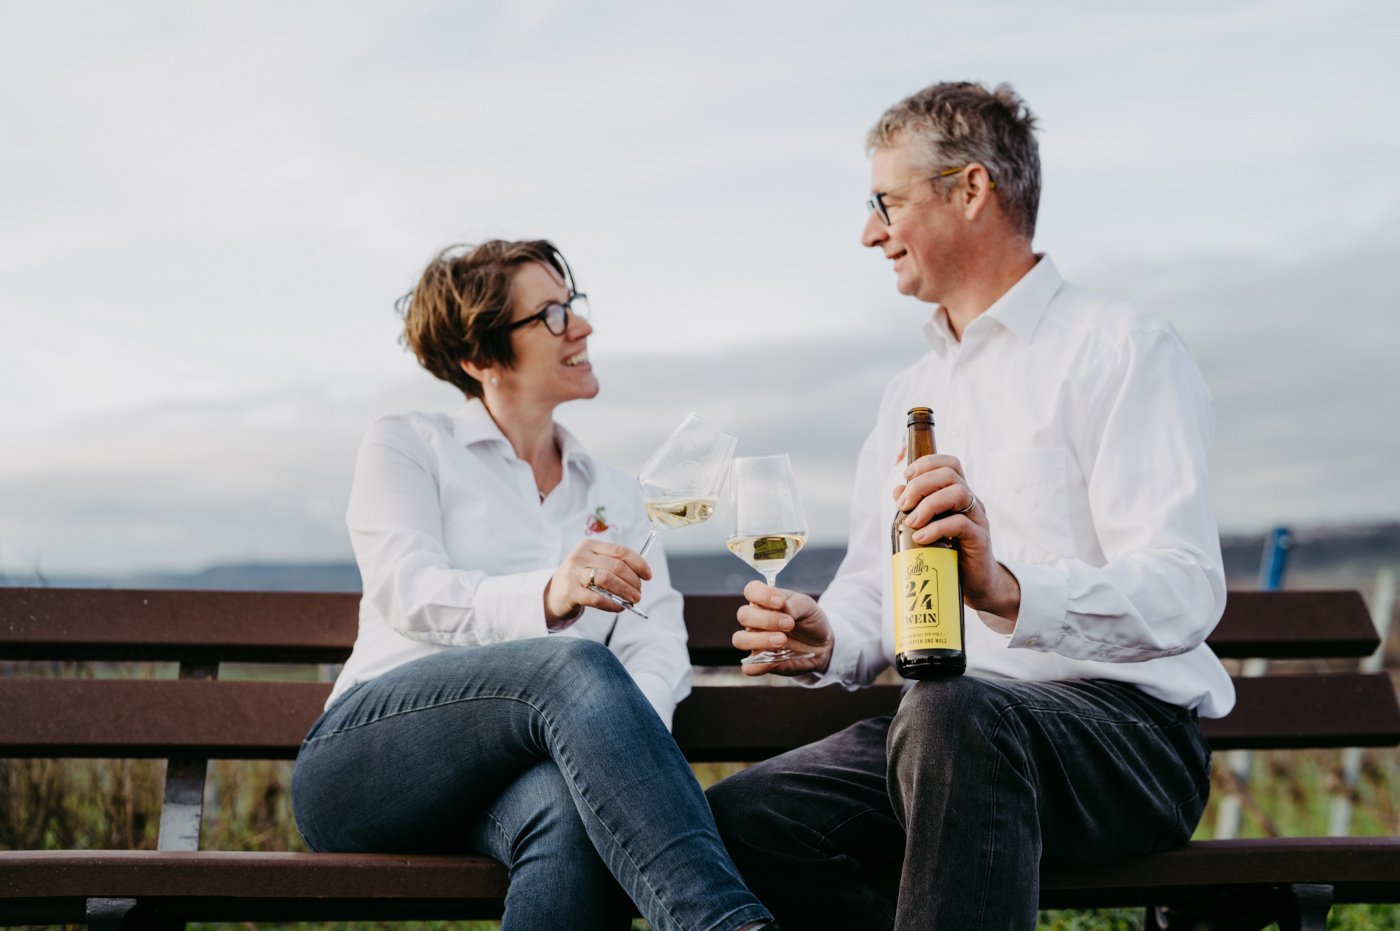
{"type": "Point", "coordinates": [876, 203]}
{"type": "Point", "coordinates": [556, 315]}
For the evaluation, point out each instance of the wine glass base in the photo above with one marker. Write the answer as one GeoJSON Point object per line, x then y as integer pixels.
{"type": "Point", "coordinates": [619, 600]}
{"type": "Point", "coordinates": [773, 656]}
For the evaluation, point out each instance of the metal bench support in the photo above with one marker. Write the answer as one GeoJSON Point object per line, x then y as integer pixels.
{"type": "Point", "coordinates": [111, 914]}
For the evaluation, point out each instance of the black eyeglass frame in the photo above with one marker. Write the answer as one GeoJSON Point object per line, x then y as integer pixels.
{"type": "Point", "coordinates": [556, 311]}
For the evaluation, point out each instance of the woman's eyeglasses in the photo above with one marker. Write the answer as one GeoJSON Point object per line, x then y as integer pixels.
{"type": "Point", "coordinates": [556, 315]}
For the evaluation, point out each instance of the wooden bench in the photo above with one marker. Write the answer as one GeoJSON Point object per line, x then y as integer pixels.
{"type": "Point", "coordinates": [198, 717]}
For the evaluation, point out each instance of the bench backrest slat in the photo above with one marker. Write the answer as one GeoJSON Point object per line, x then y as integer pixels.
{"type": "Point", "coordinates": [72, 624]}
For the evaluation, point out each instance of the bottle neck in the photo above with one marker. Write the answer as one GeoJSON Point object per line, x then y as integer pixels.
{"type": "Point", "coordinates": [920, 441]}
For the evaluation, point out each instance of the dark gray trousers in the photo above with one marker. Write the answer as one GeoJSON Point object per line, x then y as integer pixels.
{"type": "Point", "coordinates": [940, 816]}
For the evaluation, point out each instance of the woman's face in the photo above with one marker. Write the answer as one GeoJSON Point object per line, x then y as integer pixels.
{"type": "Point", "coordinates": [548, 368]}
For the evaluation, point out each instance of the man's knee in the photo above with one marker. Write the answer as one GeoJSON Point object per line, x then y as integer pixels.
{"type": "Point", "coordinates": [940, 718]}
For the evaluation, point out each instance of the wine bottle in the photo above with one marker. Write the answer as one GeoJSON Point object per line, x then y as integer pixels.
{"type": "Point", "coordinates": [928, 604]}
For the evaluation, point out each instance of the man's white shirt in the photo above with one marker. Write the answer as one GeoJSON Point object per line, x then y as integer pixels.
{"type": "Point", "coordinates": [1085, 429]}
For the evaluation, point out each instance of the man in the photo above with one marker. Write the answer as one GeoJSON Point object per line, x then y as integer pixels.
{"type": "Point", "coordinates": [1074, 434]}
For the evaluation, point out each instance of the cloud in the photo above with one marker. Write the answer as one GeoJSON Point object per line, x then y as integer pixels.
{"type": "Point", "coordinates": [1299, 357]}
{"type": "Point", "coordinates": [208, 212]}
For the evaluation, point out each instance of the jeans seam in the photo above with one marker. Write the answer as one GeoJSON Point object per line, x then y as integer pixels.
{"type": "Point", "coordinates": [985, 883]}
{"type": "Point", "coordinates": [427, 706]}
{"type": "Point", "coordinates": [825, 837]}
{"type": "Point", "coordinates": [1002, 716]}
{"type": "Point", "coordinates": [572, 778]}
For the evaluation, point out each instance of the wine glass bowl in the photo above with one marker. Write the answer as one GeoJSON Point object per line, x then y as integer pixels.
{"type": "Point", "coordinates": [766, 525]}
{"type": "Point", "coordinates": [681, 480]}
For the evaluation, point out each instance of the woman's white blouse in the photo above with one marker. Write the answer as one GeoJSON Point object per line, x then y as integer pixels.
{"type": "Point", "coordinates": [455, 547]}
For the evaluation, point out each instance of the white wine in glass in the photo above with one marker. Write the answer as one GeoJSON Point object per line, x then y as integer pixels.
{"type": "Point", "coordinates": [678, 512]}
{"type": "Point", "coordinates": [767, 554]}
{"type": "Point", "coordinates": [681, 481]}
{"type": "Point", "coordinates": [766, 526]}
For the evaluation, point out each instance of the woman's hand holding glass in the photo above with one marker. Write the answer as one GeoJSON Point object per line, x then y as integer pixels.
{"type": "Point", "coordinates": [594, 575]}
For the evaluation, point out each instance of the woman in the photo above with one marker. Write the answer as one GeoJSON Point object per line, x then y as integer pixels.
{"type": "Point", "coordinates": [490, 704]}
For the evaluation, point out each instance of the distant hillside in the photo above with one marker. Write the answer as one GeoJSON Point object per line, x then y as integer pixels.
{"type": "Point", "coordinates": [1319, 557]}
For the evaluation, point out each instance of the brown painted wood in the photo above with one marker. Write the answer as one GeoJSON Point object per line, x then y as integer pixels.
{"type": "Point", "coordinates": [38, 623]}
{"type": "Point", "coordinates": [1309, 711]}
{"type": "Point", "coordinates": [1363, 869]}
{"type": "Point", "coordinates": [286, 886]}
{"type": "Point", "coordinates": [1301, 624]}
{"type": "Point", "coordinates": [114, 624]}
{"type": "Point", "coordinates": [267, 720]}
{"type": "Point", "coordinates": [54, 717]}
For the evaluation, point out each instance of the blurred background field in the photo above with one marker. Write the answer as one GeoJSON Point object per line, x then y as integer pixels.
{"type": "Point", "coordinates": [99, 804]}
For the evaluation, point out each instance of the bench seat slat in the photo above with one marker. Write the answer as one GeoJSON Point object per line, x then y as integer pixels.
{"type": "Point", "coordinates": [1362, 869]}
{"type": "Point", "coordinates": [238, 719]}
{"type": "Point", "coordinates": [78, 624]}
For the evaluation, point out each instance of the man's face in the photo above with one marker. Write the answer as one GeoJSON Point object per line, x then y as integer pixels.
{"type": "Point", "coordinates": [922, 236]}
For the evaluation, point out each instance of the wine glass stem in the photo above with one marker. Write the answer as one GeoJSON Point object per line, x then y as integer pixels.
{"type": "Point", "coordinates": [646, 544]}
{"type": "Point", "coordinates": [771, 578]}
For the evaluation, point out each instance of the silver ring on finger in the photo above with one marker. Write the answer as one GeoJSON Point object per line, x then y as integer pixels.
{"type": "Point", "coordinates": [971, 504]}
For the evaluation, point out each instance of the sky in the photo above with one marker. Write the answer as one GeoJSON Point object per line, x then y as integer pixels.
{"type": "Point", "coordinates": [207, 211]}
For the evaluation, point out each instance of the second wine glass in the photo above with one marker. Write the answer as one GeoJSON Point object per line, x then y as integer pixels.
{"type": "Point", "coordinates": [766, 525]}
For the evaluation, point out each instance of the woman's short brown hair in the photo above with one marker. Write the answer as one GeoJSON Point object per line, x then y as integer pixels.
{"type": "Point", "coordinates": [460, 308]}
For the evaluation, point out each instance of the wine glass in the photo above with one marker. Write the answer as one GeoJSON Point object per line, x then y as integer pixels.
{"type": "Point", "coordinates": [766, 526]}
{"type": "Point", "coordinates": [681, 481]}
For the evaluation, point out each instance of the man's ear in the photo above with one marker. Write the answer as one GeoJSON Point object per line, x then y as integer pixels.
{"type": "Point", "coordinates": [976, 190]}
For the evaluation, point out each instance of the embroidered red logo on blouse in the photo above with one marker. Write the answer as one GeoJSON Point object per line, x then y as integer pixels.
{"type": "Point", "coordinates": [597, 523]}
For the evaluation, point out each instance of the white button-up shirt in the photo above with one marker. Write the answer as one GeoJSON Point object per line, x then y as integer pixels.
{"type": "Point", "coordinates": [455, 546]}
{"type": "Point", "coordinates": [1085, 429]}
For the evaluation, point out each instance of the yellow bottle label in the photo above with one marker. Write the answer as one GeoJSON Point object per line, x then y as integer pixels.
{"type": "Point", "coordinates": [926, 600]}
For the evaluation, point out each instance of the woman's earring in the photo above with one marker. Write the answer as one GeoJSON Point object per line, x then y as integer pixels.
{"type": "Point", "coordinates": [495, 381]}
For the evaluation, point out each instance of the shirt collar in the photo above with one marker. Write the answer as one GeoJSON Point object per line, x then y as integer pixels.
{"type": "Point", "coordinates": [1018, 310]}
{"type": "Point", "coordinates": [473, 424]}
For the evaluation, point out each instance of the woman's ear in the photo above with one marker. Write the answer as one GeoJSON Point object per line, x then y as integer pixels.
{"type": "Point", "coordinates": [487, 376]}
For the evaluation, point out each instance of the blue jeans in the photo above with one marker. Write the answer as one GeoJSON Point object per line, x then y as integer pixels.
{"type": "Point", "coordinates": [541, 753]}
{"type": "Point", "coordinates": [940, 816]}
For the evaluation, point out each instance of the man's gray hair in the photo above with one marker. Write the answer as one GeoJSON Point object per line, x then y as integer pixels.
{"type": "Point", "coordinates": [954, 124]}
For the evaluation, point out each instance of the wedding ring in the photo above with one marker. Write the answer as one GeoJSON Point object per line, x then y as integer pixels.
{"type": "Point", "coordinates": [592, 575]}
{"type": "Point", "coordinates": [971, 504]}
